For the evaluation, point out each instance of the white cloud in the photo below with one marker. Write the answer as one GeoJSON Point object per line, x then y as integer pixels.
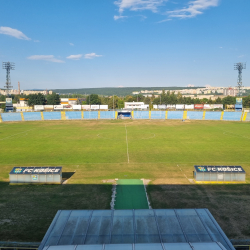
{"type": "Point", "coordinates": [74, 57]}
{"type": "Point", "coordinates": [91, 55]}
{"type": "Point", "coordinates": [194, 8]}
{"type": "Point", "coordinates": [136, 5]}
{"type": "Point", "coordinates": [13, 32]}
{"type": "Point", "coordinates": [165, 20]}
{"type": "Point", "coordinates": [119, 17]}
{"type": "Point", "coordinates": [71, 44]}
{"type": "Point", "coordinates": [49, 58]}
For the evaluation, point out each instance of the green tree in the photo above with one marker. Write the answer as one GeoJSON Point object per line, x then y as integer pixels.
{"type": "Point", "coordinates": [36, 99]}
{"type": "Point", "coordinates": [228, 100]}
{"type": "Point", "coordinates": [53, 99]}
{"type": "Point", "coordinates": [93, 99]}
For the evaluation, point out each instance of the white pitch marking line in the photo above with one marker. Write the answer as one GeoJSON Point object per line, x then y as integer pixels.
{"type": "Point", "coordinates": [127, 141]}
{"type": "Point", "coordinates": [183, 173]}
{"type": "Point", "coordinates": [17, 134]}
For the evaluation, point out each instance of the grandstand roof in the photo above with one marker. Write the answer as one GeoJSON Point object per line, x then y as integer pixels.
{"type": "Point", "coordinates": [135, 227]}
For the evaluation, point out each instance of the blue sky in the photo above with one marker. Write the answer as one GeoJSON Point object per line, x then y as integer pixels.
{"type": "Point", "coordinates": [130, 43]}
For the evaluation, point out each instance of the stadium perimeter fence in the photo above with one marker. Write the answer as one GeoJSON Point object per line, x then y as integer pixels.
{"type": "Point", "coordinates": [94, 115]}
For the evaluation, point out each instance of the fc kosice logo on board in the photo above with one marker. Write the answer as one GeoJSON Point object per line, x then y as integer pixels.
{"type": "Point", "coordinates": [18, 170]}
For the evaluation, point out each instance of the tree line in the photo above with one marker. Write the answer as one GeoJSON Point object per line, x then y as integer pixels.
{"type": "Point", "coordinates": [165, 98]}
{"type": "Point", "coordinates": [117, 102]}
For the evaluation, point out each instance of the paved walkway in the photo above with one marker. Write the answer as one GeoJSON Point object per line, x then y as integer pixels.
{"type": "Point", "coordinates": [130, 194]}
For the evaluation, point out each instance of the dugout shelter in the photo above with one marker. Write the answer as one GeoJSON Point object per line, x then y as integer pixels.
{"type": "Point", "coordinates": [219, 173]}
{"type": "Point", "coordinates": [36, 175]}
{"type": "Point", "coordinates": [139, 229]}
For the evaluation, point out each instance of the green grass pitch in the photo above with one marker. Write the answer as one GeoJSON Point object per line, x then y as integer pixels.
{"type": "Point", "coordinates": [94, 153]}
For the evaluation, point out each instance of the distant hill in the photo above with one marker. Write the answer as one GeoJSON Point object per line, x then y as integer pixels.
{"type": "Point", "coordinates": [115, 91]}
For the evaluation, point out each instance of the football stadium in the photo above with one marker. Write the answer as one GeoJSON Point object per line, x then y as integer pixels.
{"type": "Point", "coordinates": [124, 184]}
{"type": "Point", "coordinates": [124, 125]}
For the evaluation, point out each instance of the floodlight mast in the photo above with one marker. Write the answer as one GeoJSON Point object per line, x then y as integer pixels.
{"type": "Point", "coordinates": [8, 66]}
{"type": "Point", "coordinates": [239, 66]}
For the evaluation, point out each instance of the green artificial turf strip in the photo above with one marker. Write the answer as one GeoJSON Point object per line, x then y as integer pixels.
{"type": "Point", "coordinates": [130, 194]}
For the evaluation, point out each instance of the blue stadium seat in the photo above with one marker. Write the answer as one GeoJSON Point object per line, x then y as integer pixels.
{"type": "Point", "coordinates": [11, 117]}
{"type": "Point", "coordinates": [195, 115]}
{"type": "Point", "coordinates": [232, 116]}
{"type": "Point", "coordinates": [107, 114]}
{"type": "Point", "coordinates": [158, 114]}
{"type": "Point", "coordinates": [90, 115]}
{"type": "Point", "coordinates": [175, 114]}
{"type": "Point", "coordinates": [32, 116]}
{"type": "Point", "coordinates": [52, 115]}
{"type": "Point", "coordinates": [212, 115]}
{"type": "Point", "coordinates": [141, 115]}
{"type": "Point", "coordinates": [71, 115]}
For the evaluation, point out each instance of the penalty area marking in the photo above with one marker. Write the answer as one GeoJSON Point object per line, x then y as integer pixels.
{"type": "Point", "coordinates": [127, 141]}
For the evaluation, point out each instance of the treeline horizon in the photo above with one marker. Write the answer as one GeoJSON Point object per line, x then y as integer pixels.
{"type": "Point", "coordinates": [117, 102]}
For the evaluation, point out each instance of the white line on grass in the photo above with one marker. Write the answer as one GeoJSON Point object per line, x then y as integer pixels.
{"type": "Point", "coordinates": [183, 173]}
{"type": "Point", "coordinates": [16, 134]}
{"type": "Point", "coordinates": [127, 141]}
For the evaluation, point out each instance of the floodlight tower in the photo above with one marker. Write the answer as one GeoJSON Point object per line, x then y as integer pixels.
{"type": "Point", "coordinates": [239, 66]}
{"type": "Point", "coordinates": [8, 66]}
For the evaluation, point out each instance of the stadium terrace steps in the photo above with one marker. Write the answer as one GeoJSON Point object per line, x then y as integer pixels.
{"type": "Point", "coordinates": [83, 115]}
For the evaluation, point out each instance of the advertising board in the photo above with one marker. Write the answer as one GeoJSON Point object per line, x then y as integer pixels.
{"type": "Point", "coordinates": [104, 107]}
{"type": "Point", "coordinates": [208, 106]}
{"type": "Point", "coordinates": [77, 107]}
{"type": "Point", "coordinates": [218, 106]}
{"type": "Point", "coordinates": [58, 107]}
{"type": "Point", "coordinates": [38, 107]}
{"type": "Point", "coordinates": [230, 169]}
{"type": "Point", "coordinates": [180, 106]}
{"type": "Point", "coordinates": [171, 106]}
{"type": "Point", "coordinates": [154, 106]}
{"type": "Point", "coordinates": [8, 101]}
{"type": "Point", "coordinates": [230, 106]}
{"type": "Point", "coordinates": [48, 107]}
{"type": "Point", "coordinates": [36, 170]}
{"type": "Point", "coordinates": [190, 106]}
{"type": "Point", "coordinates": [162, 106]}
{"type": "Point", "coordinates": [95, 107]}
{"type": "Point", "coordinates": [198, 106]}
{"type": "Point", "coordinates": [238, 101]}
{"type": "Point", "coordinates": [85, 107]}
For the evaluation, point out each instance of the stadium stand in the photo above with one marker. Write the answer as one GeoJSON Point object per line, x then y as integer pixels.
{"type": "Point", "coordinates": [11, 117]}
{"type": "Point", "coordinates": [71, 115]}
{"type": "Point", "coordinates": [247, 117]}
{"type": "Point", "coordinates": [232, 116]}
{"type": "Point", "coordinates": [107, 114]}
{"type": "Point", "coordinates": [175, 114]}
{"type": "Point", "coordinates": [158, 114]}
{"type": "Point", "coordinates": [90, 114]}
{"type": "Point", "coordinates": [210, 115]}
{"type": "Point", "coordinates": [52, 115]}
{"type": "Point", "coordinates": [195, 115]}
{"type": "Point", "coordinates": [32, 116]}
{"type": "Point", "coordinates": [141, 115]}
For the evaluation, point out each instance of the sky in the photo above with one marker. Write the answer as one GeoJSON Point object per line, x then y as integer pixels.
{"type": "Point", "coordinates": [58, 44]}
